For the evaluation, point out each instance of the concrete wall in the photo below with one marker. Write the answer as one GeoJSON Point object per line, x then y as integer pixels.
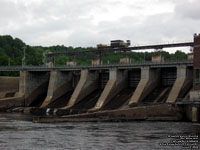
{"type": "Point", "coordinates": [125, 60]}
{"type": "Point", "coordinates": [71, 63]}
{"type": "Point", "coordinates": [117, 81]}
{"type": "Point", "coordinates": [87, 84]}
{"type": "Point", "coordinates": [163, 112]}
{"type": "Point", "coordinates": [10, 97]}
{"type": "Point", "coordinates": [195, 95]}
{"type": "Point", "coordinates": [59, 84]}
{"type": "Point", "coordinates": [8, 85]}
{"type": "Point", "coordinates": [149, 80]}
{"type": "Point", "coordinates": [157, 58]}
{"type": "Point", "coordinates": [96, 62]}
{"type": "Point", "coordinates": [182, 84]}
{"type": "Point", "coordinates": [11, 102]}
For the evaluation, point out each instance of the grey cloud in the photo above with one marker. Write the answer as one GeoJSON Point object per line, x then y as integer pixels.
{"type": "Point", "coordinates": [157, 28]}
{"type": "Point", "coordinates": [189, 9]}
{"type": "Point", "coordinates": [71, 22]}
{"type": "Point", "coordinates": [8, 12]}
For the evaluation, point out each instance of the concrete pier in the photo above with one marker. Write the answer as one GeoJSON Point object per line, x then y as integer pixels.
{"type": "Point", "coordinates": [182, 84]}
{"type": "Point", "coordinates": [21, 85]}
{"type": "Point", "coordinates": [59, 84]}
{"type": "Point", "coordinates": [149, 80]}
{"type": "Point", "coordinates": [195, 114]}
{"type": "Point", "coordinates": [87, 84]}
{"type": "Point", "coordinates": [117, 81]}
{"type": "Point", "coordinates": [33, 86]}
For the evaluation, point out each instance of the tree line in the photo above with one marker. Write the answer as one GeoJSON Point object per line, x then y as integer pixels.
{"type": "Point", "coordinates": [12, 53]}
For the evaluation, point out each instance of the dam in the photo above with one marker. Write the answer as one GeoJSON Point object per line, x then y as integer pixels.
{"type": "Point", "coordinates": [157, 90]}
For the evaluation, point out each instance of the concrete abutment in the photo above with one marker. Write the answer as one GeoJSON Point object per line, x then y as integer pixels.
{"type": "Point", "coordinates": [59, 84]}
{"type": "Point", "coordinates": [182, 84]}
{"type": "Point", "coordinates": [87, 84]}
{"type": "Point", "coordinates": [149, 80]}
{"type": "Point", "coordinates": [117, 81]}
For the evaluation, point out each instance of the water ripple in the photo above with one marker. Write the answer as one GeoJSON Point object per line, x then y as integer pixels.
{"type": "Point", "coordinates": [24, 135]}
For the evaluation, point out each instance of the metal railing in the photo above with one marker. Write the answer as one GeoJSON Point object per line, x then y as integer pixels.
{"type": "Point", "coordinates": [132, 64]}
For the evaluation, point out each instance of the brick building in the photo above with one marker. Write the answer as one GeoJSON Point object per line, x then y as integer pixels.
{"type": "Point", "coordinates": [196, 62]}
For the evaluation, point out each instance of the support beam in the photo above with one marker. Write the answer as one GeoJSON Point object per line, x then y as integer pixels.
{"type": "Point", "coordinates": [87, 84]}
{"type": "Point", "coordinates": [59, 84]}
{"type": "Point", "coordinates": [149, 80]}
{"type": "Point", "coordinates": [182, 84]}
{"type": "Point", "coordinates": [117, 81]}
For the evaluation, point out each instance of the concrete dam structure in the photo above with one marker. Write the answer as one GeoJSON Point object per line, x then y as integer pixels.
{"type": "Point", "coordinates": [143, 91]}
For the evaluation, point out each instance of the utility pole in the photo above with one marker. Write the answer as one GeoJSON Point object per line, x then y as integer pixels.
{"type": "Point", "coordinates": [9, 61]}
{"type": "Point", "coordinates": [24, 57]}
{"type": "Point", "coordinates": [44, 58]}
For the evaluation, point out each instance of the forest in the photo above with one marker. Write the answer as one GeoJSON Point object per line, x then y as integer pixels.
{"type": "Point", "coordinates": [12, 52]}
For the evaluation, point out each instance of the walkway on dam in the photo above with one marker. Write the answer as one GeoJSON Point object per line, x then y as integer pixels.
{"type": "Point", "coordinates": [99, 67]}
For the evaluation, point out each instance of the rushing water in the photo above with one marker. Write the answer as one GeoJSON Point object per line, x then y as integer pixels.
{"type": "Point", "coordinates": [23, 135]}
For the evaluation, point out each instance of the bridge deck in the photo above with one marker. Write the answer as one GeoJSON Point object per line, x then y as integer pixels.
{"type": "Point", "coordinates": [122, 49]}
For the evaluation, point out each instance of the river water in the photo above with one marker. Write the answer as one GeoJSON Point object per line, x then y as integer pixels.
{"type": "Point", "coordinates": [18, 134]}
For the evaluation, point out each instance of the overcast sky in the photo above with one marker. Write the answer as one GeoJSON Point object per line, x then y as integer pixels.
{"type": "Point", "coordinates": [89, 22]}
